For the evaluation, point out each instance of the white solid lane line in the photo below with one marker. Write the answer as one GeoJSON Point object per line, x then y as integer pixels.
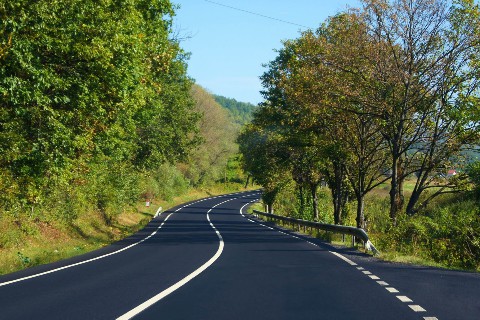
{"type": "Point", "coordinates": [93, 259]}
{"type": "Point", "coordinates": [130, 314]}
{"type": "Point", "coordinates": [108, 254]}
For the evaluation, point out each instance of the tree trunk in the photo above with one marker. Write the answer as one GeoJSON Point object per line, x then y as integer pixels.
{"type": "Point", "coordinates": [422, 177]}
{"type": "Point", "coordinates": [337, 210]}
{"type": "Point", "coordinates": [412, 202]}
{"type": "Point", "coordinates": [338, 193]}
{"type": "Point", "coordinates": [396, 190]}
{"type": "Point", "coordinates": [302, 200]}
{"type": "Point", "coordinates": [313, 189]}
{"type": "Point", "coordinates": [248, 180]}
{"type": "Point", "coordinates": [269, 198]}
{"type": "Point", "coordinates": [360, 211]}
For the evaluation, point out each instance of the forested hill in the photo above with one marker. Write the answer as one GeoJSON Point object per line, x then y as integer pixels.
{"type": "Point", "coordinates": [240, 111]}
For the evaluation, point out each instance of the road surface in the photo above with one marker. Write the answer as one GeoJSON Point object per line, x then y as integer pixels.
{"type": "Point", "coordinates": [208, 259]}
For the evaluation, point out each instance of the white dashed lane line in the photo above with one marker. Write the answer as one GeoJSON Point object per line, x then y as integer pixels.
{"type": "Point", "coordinates": [416, 308]}
{"type": "Point", "coordinates": [404, 299]}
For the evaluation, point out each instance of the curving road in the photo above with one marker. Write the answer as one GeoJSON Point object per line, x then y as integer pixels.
{"type": "Point", "coordinates": [209, 260]}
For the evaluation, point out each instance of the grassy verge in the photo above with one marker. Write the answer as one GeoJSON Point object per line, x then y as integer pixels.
{"type": "Point", "coordinates": [31, 242]}
{"type": "Point", "coordinates": [332, 238]}
{"type": "Point", "coordinates": [446, 234]}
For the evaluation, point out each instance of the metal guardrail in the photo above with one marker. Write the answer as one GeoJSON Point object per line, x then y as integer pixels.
{"type": "Point", "coordinates": [353, 231]}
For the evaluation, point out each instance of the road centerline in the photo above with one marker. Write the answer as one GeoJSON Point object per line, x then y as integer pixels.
{"type": "Point", "coordinates": [150, 302]}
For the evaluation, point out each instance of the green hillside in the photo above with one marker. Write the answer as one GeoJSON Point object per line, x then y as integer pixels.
{"type": "Point", "coordinates": [240, 111]}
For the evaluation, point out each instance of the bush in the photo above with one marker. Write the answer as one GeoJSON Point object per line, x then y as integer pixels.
{"type": "Point", "coordinates": [165, 183]}
{"type": "Point", "coordinates": [449, 236]}
{"type": "Point", "coordinates": [473, 172]}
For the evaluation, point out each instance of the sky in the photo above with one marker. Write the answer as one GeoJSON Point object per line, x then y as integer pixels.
{"type": "Point", "coordinates": [229, 47]}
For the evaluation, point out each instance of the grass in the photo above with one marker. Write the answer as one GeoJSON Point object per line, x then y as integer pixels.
{"type": "Point", "coordinates": [53, 241]}
{"type": "Point", "coordinates": [409, 259]}
{"type": "Point", "coordinates": [30, 243]}
{"type": "Point", "coordinates": [333, 238]}
{"type": "Point", "coordinates": [445, 234]}
{"type": "Point", "coordinates": [338, 240]}
{"type": "Point", "coordinates": [26, 242]}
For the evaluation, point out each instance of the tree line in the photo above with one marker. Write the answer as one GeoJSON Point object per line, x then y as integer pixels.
{"type": "Point", "coordinates": [240, 111]}
{"type": "Point", "coordinates": [373, 96]}
{"type": "Point", "coordinates": [97, 110]}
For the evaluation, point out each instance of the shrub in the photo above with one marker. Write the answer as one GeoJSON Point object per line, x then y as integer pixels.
{"type": "Point", "coordinates": [449, 236]}
{"type": "Point", "coordinates": [473, 172]}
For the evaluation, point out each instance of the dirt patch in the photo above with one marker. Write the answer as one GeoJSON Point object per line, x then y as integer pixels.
{"type": "Point", "coordinates": [129, 219]}
{"type": "Point", "coordinates": [49, 232]}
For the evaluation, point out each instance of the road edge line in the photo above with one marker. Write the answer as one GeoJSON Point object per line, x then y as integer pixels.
{"type": "Point", "coordinates": [36, 275]}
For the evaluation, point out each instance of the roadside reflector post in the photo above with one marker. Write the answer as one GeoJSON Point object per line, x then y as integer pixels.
{"type": "Point", "coordinates": [158, 212]}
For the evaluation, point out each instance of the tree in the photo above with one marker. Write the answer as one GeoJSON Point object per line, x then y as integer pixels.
{"type": "Point", "coordinates": [264, 160]}
{"type": "Point", "coordinates": [207, 162]}
{"type": "Point", "coordinates": [366, 160]}
{"type": "Point", "coordinates": [88, 82]}
{"type": "Point", "coordinates": [346, 47]}
{"type": "Point", "coordinates": [291, 116]}
{"type": "Point", "coordinates": [393, 84]}
{"type": "Point", "coordinates": [319, 79]}
{"type": "Point", "coordinates": [426, 61]}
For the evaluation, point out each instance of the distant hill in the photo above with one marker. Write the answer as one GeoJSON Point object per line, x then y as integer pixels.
{"type": "Point", "coordinates": [241, 112]}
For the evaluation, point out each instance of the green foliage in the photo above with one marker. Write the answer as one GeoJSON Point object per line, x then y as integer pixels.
{"type": "Point", "coordinates": [345, 102]}
{"type": "Point", "coordinates": [473, 172]}
{"type": "Point", "coordinates": [241, 112]}
{"type": "Point", "coordinates": [93, 94]}
{"type": "Point", "coordinates": [164, 183]}
{"type": "Point", "coordinates": [207, 162]}
{"type": "Point", "coordinates": [234, 171]}
{"type": "Point", "coordinates": [449, 235]}
{"type": "Point", "coordinates": [24, 259]}
{"type": "Point", "coordinates": [261, 152]}
{"type": "Point", "coordinates": [288, 203]}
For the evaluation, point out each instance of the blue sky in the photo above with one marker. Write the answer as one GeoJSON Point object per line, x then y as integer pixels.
{"type": "Point", "coordinates": [228, 46]}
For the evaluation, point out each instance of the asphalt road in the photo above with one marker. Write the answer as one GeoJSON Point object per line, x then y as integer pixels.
{"type": "Point", "coordinates": [209, 260]}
